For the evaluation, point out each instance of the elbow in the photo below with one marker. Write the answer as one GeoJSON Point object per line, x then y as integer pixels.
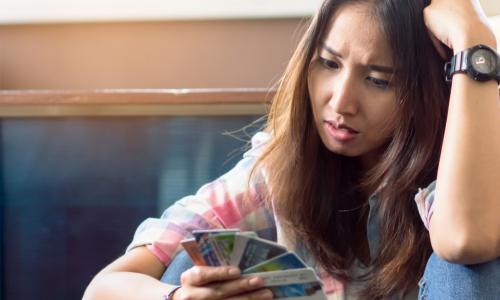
{"type": "Point", "coordinates": [92, 291]}
{"type": "Point", "coordinates": [462, 248]}
{"type": "Point", "coordinates": [95, 290]}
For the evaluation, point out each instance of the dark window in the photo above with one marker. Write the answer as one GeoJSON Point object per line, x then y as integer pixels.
{"type": "Point", "coordinates": [74, 190]}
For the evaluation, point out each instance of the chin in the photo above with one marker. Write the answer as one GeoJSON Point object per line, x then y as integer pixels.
{"type": "Point", "coordinates": [355, 148]}
{"type": "Point", "coordinates": [343, 150]}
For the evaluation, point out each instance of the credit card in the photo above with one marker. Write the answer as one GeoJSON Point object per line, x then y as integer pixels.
{"type": "Point", "coordinates": [191, 247]}
{"type": "Point", "coordinates": [285, 261]}
{"type": "Point", "coordinates": [248, 251]}
{"type": "Point", "coordinates": [293, 284]}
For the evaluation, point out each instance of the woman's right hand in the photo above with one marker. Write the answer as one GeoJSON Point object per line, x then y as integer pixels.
{"type": "Point", "coordinates": [209, 283]}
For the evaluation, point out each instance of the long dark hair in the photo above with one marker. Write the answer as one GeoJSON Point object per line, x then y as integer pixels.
{"type": "Point", "coordinates": [318, 195]}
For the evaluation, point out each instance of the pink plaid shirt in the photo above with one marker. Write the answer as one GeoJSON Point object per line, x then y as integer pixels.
{"type": "Point", "coordinates": [220, 204]}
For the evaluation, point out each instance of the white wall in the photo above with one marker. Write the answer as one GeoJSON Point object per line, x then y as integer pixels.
{"type": "Point", "coordinates": [41, 11]}
{"type": "Point", "coordinates": [492, 7]}
{"type": "Point", "coordinates": [48, 11]}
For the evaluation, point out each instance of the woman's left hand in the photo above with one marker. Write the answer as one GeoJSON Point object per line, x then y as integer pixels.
{"type": "Point", "coordinates": [458, 24]}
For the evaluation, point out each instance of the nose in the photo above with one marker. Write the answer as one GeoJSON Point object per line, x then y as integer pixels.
{"type": "Point", "coordinates": [345, 95]}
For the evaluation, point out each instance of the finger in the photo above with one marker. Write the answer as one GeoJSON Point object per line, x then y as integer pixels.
{"type": "Point", "coordinates": [201, 275]}
{"type": "Point", "coordinates": [262, 294]}
{"type": "Point", "coordinates": [234, 287]}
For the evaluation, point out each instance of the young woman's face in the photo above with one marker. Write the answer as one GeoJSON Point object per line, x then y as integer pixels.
{"type": "Point", "coordinates": [353, 100]}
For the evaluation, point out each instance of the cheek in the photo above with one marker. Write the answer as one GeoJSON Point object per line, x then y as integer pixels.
{"type": "Point", "coordinates": [314, 94]}
{"type": "Point", "coordinates": [318, 86]}
{"type": "Point", "coordinates": [383, 119]}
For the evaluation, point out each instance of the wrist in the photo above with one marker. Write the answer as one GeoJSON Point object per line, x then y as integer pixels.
{"type": "Point", "coordinates": [480, 36]}
{"type": "Point", "coordinates": [170, 293]}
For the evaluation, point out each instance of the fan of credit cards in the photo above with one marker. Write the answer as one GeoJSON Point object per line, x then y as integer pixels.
{"type": "Point", "coordinates": [283, 272]}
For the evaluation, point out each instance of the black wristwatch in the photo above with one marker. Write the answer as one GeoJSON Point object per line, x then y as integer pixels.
{"type": "Point", "coordinates": [480, 62]}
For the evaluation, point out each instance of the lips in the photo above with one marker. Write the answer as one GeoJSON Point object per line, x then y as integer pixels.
{"type": "Point", "coordinates": [340, 132]}
{"type": "Point", "coordinates": [342, 126]}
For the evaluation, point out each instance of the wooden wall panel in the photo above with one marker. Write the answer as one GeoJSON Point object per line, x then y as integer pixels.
{"type": "Point", "coordinates": [175, 54]}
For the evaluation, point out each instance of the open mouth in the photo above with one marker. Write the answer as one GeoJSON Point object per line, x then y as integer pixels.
{"type": "Point", "coordinates": [342, 127]}
{"type": "Point", "coordinates": [340, 132]}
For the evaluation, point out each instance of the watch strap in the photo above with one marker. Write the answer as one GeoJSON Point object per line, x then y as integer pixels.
{"type": "Point", "coordinates": [457, 64]}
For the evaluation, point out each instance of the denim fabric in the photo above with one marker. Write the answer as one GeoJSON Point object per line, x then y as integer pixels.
{"type": "Point", "coordinates": [443, 280]}
{"type": "Point", "coordinates": [179, 264]}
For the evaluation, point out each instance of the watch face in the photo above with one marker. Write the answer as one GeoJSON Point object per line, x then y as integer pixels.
{"type": "Point", "coordinates": [483, 61]}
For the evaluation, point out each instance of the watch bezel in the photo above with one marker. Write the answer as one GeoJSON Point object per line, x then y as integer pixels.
{"type": "Point", "coordinates": [476, 74]}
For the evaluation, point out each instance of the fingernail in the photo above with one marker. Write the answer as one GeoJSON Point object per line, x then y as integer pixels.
{"type": "Point", "coordinates": [234, 271]}
{"type": "Point", "coordinates": [256, 281]}
{"type": "Point", "coordinates": [266, 294]}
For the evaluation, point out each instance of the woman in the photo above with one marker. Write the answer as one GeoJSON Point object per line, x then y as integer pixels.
{"type": "Point", "coordinates": [356, 128]}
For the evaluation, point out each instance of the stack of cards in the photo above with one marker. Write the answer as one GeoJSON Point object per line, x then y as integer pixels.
{"type": "Point", "coordinates": [284, 273]}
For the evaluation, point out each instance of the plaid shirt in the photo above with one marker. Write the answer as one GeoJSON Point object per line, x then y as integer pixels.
{"type": "Point", "coordinates": [220, 204]}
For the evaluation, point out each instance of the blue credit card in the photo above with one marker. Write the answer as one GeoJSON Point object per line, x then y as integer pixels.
{"type": "Point", "coordinates": [250, 251]}
{"type": "Point", "coordinates": [309, 289]}
{"type": "Point", "coordinates": [285, 261]}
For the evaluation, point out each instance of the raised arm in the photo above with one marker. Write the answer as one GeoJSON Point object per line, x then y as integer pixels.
{"type": "Point", "coordinates": [465, 226]}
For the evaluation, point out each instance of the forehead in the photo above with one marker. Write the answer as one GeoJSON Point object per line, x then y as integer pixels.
{"type": "Point", "coordinates": [354, 30]}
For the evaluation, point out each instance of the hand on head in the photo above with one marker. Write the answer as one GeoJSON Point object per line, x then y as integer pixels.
{"type": "Point", "coordinates": [458, 24]}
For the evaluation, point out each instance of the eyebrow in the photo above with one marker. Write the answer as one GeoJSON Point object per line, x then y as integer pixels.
{"type": "Point", "coordinates": [377, 68]}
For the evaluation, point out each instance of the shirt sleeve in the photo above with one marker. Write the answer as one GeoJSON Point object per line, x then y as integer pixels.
{"type": "Point", "coordinates": [425, 203]}
{"type": "Point", "coordinates": [219, 204]}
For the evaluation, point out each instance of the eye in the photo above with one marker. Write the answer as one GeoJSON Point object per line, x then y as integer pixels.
{"type": "Point", "coordinates": [330, 64]}
{"type": "Point", "coordinates": [379, 83]}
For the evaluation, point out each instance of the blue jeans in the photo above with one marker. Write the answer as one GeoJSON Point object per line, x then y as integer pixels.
{"type": "Point", "coordinates": [441, 281]}
{"type": "Point", "coordinates": [181, 263]}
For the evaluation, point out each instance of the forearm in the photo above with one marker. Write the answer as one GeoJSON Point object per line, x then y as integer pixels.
{"type": "Point", "coordinates": [125, 285]}
{"type": "Point", "coordinates": [465, 226]}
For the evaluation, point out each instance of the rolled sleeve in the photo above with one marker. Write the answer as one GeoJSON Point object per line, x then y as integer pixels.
{"type": "Point", "coordinates": [425, 203]}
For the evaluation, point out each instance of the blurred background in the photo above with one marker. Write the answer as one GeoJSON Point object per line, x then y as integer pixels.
{"type": "Point", "coordinates": [74, 187]}
{"type": "Point", "coordinates": [57, 44]}
{"type": "Point", "coordinates": [81, 44]}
